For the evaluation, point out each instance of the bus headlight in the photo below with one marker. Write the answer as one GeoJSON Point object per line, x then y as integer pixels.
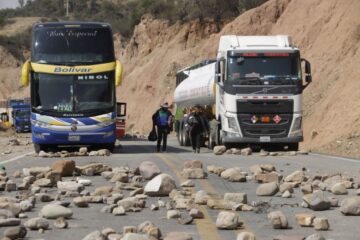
{"type": "Point", "coordinates": [106, 123]}
{"type": "Point", "coordinates": [108, 134]}
{"type": "Point", "coordinates": [39, 124]}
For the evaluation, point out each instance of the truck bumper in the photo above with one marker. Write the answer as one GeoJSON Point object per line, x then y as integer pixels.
{"type": "Point", "coordinates": [237, 139]}
{"type": "Point", "coordinates": [49, 137]}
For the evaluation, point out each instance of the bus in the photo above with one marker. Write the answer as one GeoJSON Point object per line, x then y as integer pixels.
{"type": "Point", "coordinates": [72, 74]}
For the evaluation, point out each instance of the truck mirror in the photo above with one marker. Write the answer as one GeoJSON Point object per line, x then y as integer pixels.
{"type": "Point", "coordinates": [25, 73]}
{"type": "Point", "coordinates": [118, 73]}
{"type": "Point", "coordinates": [220, 66]}
{"type": "Point", "coordinates": [308, 77]}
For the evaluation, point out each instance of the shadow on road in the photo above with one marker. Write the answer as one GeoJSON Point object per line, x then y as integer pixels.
{"type": "Point", "coordinates": [146, 148]}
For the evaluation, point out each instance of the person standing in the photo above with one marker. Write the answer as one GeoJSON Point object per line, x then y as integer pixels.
{"type": "Point", "coordinates": [162, 119]}
{"type": "Point", "coordinates": [199, 127]}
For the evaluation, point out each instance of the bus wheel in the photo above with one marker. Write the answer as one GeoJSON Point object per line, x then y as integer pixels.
{"type": "Point", "coordinates": [187, 141]}
{"type": "Point", "coordinates": [38, 147]}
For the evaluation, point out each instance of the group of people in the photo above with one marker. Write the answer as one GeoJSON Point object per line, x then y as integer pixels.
{"type": "Point", "coordinates": [197, 123]}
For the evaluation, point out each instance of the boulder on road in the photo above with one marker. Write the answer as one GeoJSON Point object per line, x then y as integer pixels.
{"type": "Point", "coordinates": [178, 236]}
{"type": "Point", "coordinates": [228, 220]}
{"type": "Point", "coordinates": [236, 197]}
{"type": "Point", "coordinates": [64, 167]}
{"type": "Point", "coordinates": [37, 223]}
{"type": "Point", "coordinates": [70, 186]}
{"type": "Point", "coordinates": [267, 189]}
{"type": "Point", "coordinates": [321, 224]}
{"type": "Point", "coordinates": [193, 164]}
{"type": "Point", "coordinates": [96, 235]}
{"type": "Point", "coordinates": [317, 201]}
{"type": "Point", "coordinates": [278, 220]}
{"type": "Point", "coordinates": [53, 211]}
{"type": "Point", "coordinates": [339, 189]}
{"type": "Point", "coordinates": [234, 174]}
{"type": "Point", "coordinates": [305, 219]}
{"type": "Point", "coordinates": [246, 236]}
{"type": "Point", "coordinates": [15, 232]}
{"type": "Point", "coordinates": [148, 170]}
{"type": "Point", "coordinates": [297, 177]}
{"type": "Point", "coordinates": [193, 173]}
{"type": "Point", "coordinates": [215, 169]}
{"type": "Point", "coordinates": [219, 150]}
{"type": "Point", "coordinates": [161, 185]}
{"type": "Point", "coordinates": [350, 206]}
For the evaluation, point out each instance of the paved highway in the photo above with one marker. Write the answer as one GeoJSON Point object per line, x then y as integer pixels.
{"type": "Point", "coordinates": [132, 153]}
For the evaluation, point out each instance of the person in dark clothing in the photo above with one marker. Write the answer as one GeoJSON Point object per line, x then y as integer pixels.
{"type": "Point", "coordinates": [162, 119]}
{"type": "Point", "coordinates": [199, 127]}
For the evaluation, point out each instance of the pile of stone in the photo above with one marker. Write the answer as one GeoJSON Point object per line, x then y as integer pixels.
{"type": "Point", "coordinates": [83, 151]}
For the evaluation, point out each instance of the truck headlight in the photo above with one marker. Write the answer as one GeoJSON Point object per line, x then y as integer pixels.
{"type": "Point", "coordinates": [296, 129]}
{"type": "Point", "coordinates": [232, 124]}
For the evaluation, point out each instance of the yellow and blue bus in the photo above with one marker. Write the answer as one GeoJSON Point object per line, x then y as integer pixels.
{"type": "Point", "coordinates": [72, 75]}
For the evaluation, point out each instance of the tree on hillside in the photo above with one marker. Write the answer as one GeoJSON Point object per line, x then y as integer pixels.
{"type": "Point", "coordinates": [21, 3]}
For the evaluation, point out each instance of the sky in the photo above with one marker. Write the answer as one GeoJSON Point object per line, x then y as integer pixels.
{"type": "Point", "coordinates": [8, 4]}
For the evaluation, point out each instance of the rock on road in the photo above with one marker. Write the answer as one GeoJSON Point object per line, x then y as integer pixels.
{"type": "Point", "coordinates": [88, 217]}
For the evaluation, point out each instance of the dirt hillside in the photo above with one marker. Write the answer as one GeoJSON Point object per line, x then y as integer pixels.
{"type": "Point", "coordinates": [326, 31]}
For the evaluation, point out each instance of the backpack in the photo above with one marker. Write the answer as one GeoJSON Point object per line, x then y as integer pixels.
{"type": "Point", "coordinates": [162, 118]}
{"type": "Point", "coordinates": [193, 121]}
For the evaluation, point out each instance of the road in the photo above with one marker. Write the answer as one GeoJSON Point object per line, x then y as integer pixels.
{"type": "Point", "coordinates": [132, 153]}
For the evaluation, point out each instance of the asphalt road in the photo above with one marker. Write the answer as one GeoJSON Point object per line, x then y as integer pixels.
{"type": "Point", "coordinates": [132, 153]}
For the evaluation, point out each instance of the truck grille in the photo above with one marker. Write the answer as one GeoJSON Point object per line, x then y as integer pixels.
{"type": "Point", "coordinates": [251, 109]}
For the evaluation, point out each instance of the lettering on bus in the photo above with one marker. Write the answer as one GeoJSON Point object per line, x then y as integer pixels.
{"type": "Point", "coordinates": [71, 33]}
{"type": "Point", "coordinates": [72, 70]}
{"type": "Point", "coordinates": [92, 77]}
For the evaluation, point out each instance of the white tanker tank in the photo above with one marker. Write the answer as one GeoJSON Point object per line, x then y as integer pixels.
{"type": "Point", "coordinates": [197, 87]}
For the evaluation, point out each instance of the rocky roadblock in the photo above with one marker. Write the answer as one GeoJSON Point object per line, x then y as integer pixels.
{"type": "Point", "coordinates": [56, 192]}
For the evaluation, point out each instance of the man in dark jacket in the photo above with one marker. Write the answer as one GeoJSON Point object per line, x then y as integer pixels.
{"type": "Point", "coordinates": [162, 119]}
{"type": "Point", "coordinates": [199, 127]}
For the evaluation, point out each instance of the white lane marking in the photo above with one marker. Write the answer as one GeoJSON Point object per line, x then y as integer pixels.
{"type": "Point", "coordinates": [336, 158]}
{"type": "Point", "coordinates": [16, 158]}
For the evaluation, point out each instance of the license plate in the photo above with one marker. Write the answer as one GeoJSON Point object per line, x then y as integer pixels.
{"type": "Point", "coordinates": [265, 139]}
{"type": "Point", "coordinates": [74, 138]}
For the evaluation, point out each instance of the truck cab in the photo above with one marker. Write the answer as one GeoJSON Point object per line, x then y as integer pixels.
{"type": "Point", "coordinates": [259, 85]}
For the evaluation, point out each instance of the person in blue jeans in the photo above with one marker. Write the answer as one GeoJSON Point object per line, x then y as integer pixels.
{"type": "Point", "coordinates": [162, 119]}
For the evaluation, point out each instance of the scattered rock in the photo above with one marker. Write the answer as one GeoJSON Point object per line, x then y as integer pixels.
{"type": "Point", "coordinates": [297, 176]}
{"type": "Point", "coordinates": [315, 237]}
{"type": "Point", "coordinates": [193, 173]}
{"type": "Point", "coordinates": [161, 185]}
{"type": "Point", "coordinates": [15, 232]}
{"type": "Point", "coordinates": [267, 177]}
{"type": "Point", "coordinates": [10, 222]}
{"type": "Point", "coordinates": [219, 150]}
{"type": "Point", "coordinates": [10, 186]}
{"type": "Point", "coordinates": [178, 236]}
{"type": "Point", "coordinates": [317, 201]}
{"type": "Point", "coordinates": [286, 194]}
{"type": "Point", "coordinates": [70, 186]}
{"type": "Point", "coordinates": [215, 169]}
{"type": "Point", "coordinates": [278, 220]}
{"type": "Point", "coordinates": [201, 197]}
{"type": "Point", "coordinates": [96, 235]}
{"type": "Point", "coordinates": [305, 219]}
{"type": "Point", "coordinates": [196, 213]}
{"type": "Point", "coordinates": [321, 224]}
{"type": "Point", "coordinates": [236, 197]}
{"type": "Point", "coordinates": [234, 174]}
{"type": "Point", "coordinates": [61, 223]}
{"type": "Point", "coordinates": [43, 182]}
{"type": "Point", "coordinates": [267, 189]}
{"type": "Point", "coordinates": [37, 223]}
{"type": "Point", "coordinates": [93, 169]}
{"type": "Point", "coordinates": [135, 236]}
{"type": "Point", "coordinates": [228, 220]}
{"type": "Point", "coordinates": [64, 167]}
{"type": "Point", "coordinates": [53, 211]}
{"type": "Point", "coordinates": [188, 183]}
{"type": "Point", "coordinates": [245, 236]}
{"type": "Point", "coordinates": [172, 214]}
{"type": "Point", "coordinates": [80, 202]}
{"type": "Point", "coordinates": [148, 170]}
{"type": "Point", "coordinates": [350, 206]}
{"type": "Point", "coordinates": [246, 151]}
{"type": "Point", "coordinates": [339, 189]}
{"type": "Point", "coordinates": [185, 219]}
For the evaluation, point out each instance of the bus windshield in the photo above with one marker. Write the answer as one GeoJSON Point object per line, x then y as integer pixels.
{"type": "Point", "coordinates": [70, 46]}
{"type": "Point", "coordinates": [58, 95]}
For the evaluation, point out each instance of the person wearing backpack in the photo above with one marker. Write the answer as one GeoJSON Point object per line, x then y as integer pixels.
{"type": "Point", "coordinates": [199, 126]}
{"type": "Point", "coordinates": [162, 119]}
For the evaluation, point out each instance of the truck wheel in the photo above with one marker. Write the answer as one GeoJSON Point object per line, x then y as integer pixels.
{"type": "Point", "coordinates": [110, 147]}
{"type": "Point", "coordinates": [187, 141]}
{"type": "Point", "coordinates": [293, 147]}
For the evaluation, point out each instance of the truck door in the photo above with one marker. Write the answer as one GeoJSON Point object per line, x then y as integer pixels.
{"type": "Point", "coordinates": [120, 119]}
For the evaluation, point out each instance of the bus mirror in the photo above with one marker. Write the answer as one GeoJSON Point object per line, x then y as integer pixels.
{"type": "Point", "coordinates": [118, 73]}
{"type": "Point", "coordinates": [25, 73]}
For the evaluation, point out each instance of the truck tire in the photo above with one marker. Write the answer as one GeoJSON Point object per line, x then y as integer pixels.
{"type": "Point", "coordinates": [187, 141]}
{"type": "Point", "coordinates": [293, 147]}
{"type": "Point", "coordinates": [181, 135]}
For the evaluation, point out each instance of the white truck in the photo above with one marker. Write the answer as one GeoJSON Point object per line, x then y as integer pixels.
{"type": "Point", "coordinates": [251, 93]}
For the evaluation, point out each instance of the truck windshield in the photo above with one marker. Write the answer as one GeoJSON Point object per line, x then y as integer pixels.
{"type": "Point", "coordinates": [23, 114]}
{"type": "Point", "coordinates": [60, 45]}
{"type": "Point", "coordinates": [59, 95]}
{"type": "Point", "coordinates": [267, 67]}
